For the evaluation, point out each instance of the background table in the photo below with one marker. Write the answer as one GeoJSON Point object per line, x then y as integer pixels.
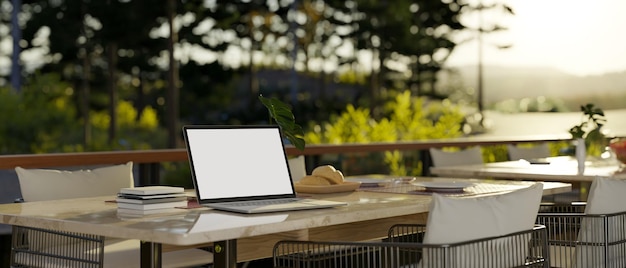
{"type": "Point", "coordinates": [563, 169]}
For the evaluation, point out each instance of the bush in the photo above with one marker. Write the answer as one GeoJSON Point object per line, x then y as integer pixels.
{"type": "Point", "coordinates": [407, 118]}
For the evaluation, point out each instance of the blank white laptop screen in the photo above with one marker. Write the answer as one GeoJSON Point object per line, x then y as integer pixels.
{"type": "Point", "coordinates": [238, 162]}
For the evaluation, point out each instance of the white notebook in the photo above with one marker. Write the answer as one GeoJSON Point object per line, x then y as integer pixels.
{"type": "Point", "coordinates": [152, 190]}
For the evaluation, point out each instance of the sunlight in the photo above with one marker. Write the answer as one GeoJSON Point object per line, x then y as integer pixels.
{"type": "Point", "coordinates": [579, 37]}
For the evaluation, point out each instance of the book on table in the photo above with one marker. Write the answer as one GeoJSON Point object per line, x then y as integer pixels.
{"type": "Point", "coordinates": [181, 203]}
{"type": "Point", "coordinates": [123, 199]}
{"type": "Point", "coordinates": [155, 198]}
{"type": "Point", "coordinates": [147, 197]}
{"type": "Point", "coordinates": [152, 190]}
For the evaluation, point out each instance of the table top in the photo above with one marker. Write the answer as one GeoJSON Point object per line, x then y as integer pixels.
{"type": "Point", "coordinates": [201, 225]}
{"type": "Point", "coordinates": [561, 168]}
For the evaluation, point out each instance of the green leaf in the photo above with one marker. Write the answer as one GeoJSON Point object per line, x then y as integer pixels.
{"type": "Point", "coordinates": [590, 127]}
{"type": "Point", "coordinates": [281, 114]}
{"type": "Point", "coordinates": [577, 131]}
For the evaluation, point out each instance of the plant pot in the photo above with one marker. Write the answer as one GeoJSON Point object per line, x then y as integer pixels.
{"type": "Point", "coordinates": [297, 168]}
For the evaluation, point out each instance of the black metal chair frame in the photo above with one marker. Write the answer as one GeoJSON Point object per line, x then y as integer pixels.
{"type": "Point", "coordinates": [403, 248]}
{"type": "Point", "coordinates": [604, 235]}
{"type": "Point", "coordinates": [36, 247]}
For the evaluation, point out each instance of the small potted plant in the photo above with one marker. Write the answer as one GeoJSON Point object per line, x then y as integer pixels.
{"type": "Point", "coordinates": [281, 114]}
{"type": "Point", "coordinates": [590, 129]}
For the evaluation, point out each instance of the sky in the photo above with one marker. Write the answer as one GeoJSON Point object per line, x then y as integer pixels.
{"type": "Point", "coordinates": [580, 37]}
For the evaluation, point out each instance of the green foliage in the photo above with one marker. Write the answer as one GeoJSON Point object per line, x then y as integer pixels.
{"type": "Point", "coordinates": [137, 130]}
{"type": "Point", "coordinates": [42, 119]}
{"type": "Point", "coordinates": [177, 174]}
{"type": "Point", "coordinates": [39, 119]}
{"type": "Point", "coordinates": [590, 129]}
{"type": "Point", "coordinates": [593, 120]}
{"type": "Point", "coordinates": [407, 118]}
{"type": "Point", "coordinates": [282, 115]}
{"type": "Point", "coordinates": [352, 77]}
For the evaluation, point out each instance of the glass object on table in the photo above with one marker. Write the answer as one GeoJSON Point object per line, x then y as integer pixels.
{"type": "Point", "coordinates": [618, 146]}
{"type": "Point", "coordinates": [581, 155]}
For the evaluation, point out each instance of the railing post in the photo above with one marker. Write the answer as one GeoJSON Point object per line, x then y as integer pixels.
{"type": "Point", "coordinates": [149, 174]}
{"type": "Point", "coordinates": [427, 162]}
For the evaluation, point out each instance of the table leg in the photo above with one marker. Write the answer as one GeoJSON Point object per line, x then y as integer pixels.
{"type": "Point", "coordinates": [225, 253]}
{"type": "Point", "coordinates": [151, 255]}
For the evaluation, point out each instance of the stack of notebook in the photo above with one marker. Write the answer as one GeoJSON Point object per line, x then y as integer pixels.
{"type": "Point", "coordinates": [150, 199]}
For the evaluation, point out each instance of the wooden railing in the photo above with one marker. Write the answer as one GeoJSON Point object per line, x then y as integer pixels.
{"type": "Point", "coordinates": [148, 161]}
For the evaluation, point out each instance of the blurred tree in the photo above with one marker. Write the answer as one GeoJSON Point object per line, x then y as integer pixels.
{"type": "Point", "coordinates": [42, 119]}
{"type": "Point", "coordinates": [478, 28]}
{"type": "Point", "coordinates": [414, 33]}
{"type": "Point", "coordinates": [258, 24]}
{"type": "Point", "coordinates": [103, 47]}
{"type": "Point", "coordinates": [5, 33]}
{"type": "Point", "coordinates": [39, 116]}
{"type": "Point", "coordinates": [110, 50]}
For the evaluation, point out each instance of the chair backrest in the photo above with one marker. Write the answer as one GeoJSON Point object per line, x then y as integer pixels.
{"type": "Point", "coordinates": [469, 156]}
{"type": "Point", "coordinates": [453, 220]}
{"type": "Point", "coordinates": [606, 197]}
{"type": "Point", "coordinates": [538, 151]}
{"type": "Point", "coordinates": [48, 184]}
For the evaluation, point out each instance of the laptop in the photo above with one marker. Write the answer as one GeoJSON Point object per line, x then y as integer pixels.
{"type": "Point", "coordinates": [243, 169]}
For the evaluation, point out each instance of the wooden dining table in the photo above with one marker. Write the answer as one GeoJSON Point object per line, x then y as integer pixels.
{"type": "Point", "coordinates": [560, 168]}
{"type": "Point", "coordinates": [239, 237]}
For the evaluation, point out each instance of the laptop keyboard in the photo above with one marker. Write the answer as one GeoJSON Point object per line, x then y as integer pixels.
{"type": "Point", "coordinates": [262, 202]}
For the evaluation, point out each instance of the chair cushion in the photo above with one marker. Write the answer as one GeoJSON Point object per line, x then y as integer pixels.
{"type": "Point", "coordinates": [517, 152]}
{"type": "Point", "coordinates": [48, 184]}
{"type": "Point", "coordinates": [606, 196]}
{"type": "Point", "coordinates": [453, 220]}
{"type": "Point", "coordinates": [469, 156]}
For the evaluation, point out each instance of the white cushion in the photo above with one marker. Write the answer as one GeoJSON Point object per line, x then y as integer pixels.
{"type": "Point", "coordinates": [48, 184]}
{"type": "Point", "coordinates": [606, 196]}
{"type": "Point", "coordinates": [453, 220]}
{"type": "Point", "coordinates": [469, 156]}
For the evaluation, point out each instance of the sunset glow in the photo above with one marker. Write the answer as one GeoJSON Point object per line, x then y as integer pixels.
{"type": "Point", "coordinates": [581, 37]}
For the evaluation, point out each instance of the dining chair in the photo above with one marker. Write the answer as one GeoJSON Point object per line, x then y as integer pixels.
{"type": "Point", "coordinates": [588, 234]}
{"type": "Point", "coordinates": [444, 158]}
{"type": "Point", "coordinates": [486, 232]}
{"type": "Point", "coordinates": [38, 247]}
{"type": "Point", "coordinates": [539, 150]}
{"type": "Point", "coordinates": [515, 152]}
